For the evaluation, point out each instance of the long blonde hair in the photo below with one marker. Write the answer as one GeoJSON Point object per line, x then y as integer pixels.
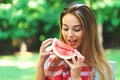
{"type": "Point", "coordinates": [91, 48]}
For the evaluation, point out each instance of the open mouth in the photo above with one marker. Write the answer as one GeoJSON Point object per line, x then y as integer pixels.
{"type": "Point", "coordinates": [72, 41]}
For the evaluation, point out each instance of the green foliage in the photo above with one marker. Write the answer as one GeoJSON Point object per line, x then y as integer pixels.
{"type": "Point", "coordinates": [39, 19]}
{"type": "Point", "coordinates": [31, 21]}
{"type": "Point", "coordinates": [26, 18]}
{"type": "Point", "coordinates": [108, 15]}
{"type": "Point", "coordinates": [107, 10]}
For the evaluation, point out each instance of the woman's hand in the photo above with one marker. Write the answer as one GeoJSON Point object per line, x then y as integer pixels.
{"type": "Point", "coordinates": [43, 54]}
{"type": "Point", "coordinates": [76, 66]}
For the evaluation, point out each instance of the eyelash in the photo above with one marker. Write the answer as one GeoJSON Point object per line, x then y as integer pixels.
{"type": "Point", "coordinates": [77, 30]}
{"type": "Point", "coordinates": [66, 29]}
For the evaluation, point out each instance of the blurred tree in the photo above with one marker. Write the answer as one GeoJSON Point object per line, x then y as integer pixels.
{"type": "Point", "coordinates": [16, 21]}
{"type": "Point", "coordinates": [107, 12]}
{"type": "Point", "coordinates": [28, 19]}
{"type": "Point", "coordinates": [32, 21]}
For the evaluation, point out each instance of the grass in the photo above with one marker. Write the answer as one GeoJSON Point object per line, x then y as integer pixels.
{"type": "Point", "coordinates": [22, 67]}
{"type": "Point", "coordinates": [114, 55]}
{"type": "Point", "coordinates": [18, 67]}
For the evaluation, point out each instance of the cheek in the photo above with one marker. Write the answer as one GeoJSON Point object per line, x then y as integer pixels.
{"type": "Point", "coordinates": [80, 36]}
{"type": "Point", "coordinates": [63, 33]}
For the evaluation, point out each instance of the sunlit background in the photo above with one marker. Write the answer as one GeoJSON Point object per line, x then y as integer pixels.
{"type": "Point", "coordinates": [24, 24]}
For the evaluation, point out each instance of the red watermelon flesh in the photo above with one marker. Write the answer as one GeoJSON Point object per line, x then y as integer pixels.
{"type": "Point", "coordinates": [62, 50]}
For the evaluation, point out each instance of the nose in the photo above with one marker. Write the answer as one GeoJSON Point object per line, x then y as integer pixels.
{"type": "Point", "coordinates": [70, 33]}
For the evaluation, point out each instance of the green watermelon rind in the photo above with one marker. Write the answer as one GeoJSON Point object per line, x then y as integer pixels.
{"type": "Point", "coordinates": [58, 54]}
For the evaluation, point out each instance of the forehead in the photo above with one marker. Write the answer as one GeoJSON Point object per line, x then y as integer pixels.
{"type": "Point", "coordinates": [71, 19]}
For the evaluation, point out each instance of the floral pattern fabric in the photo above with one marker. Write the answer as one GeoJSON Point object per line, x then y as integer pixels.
{"type": "Point", "coordinates": [62, 71]}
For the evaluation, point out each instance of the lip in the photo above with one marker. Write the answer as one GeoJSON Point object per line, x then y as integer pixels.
{"type": "Point", "coordinates": [72, 42]}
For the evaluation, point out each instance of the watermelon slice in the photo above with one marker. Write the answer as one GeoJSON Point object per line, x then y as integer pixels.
{"type": "Point", "coordinates": [62, 50]}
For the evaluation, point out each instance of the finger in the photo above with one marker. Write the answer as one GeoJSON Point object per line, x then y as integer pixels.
{"type": "Point", "coordinates": [51, 52]}
{"type": "Point", "coordinates": [73, 57]}
{"type": "Point", "coordinates": [80, 57]}
{"type": "Point", "coordinates": [74, 60]}
{"type": "Point", "coordinates": [46, 43]}
{"type": "Point", "coordinates": [77, 52]}
{"type": "Point", "coordinates": [47, 40]}
{"type": "Point", "coordinates": [69, 64]}
{"type": "Point", "coordinates": [46, 54]}
{"type": "Point", "coordinates": [48, 49]}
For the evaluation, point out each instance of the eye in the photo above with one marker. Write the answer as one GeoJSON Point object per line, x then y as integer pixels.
{"type": "Point", "coordinates": [65, 29]}
{"type": "Point", "coordinates": [77, 29]}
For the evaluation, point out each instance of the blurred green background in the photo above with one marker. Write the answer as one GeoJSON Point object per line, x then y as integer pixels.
{"type": "Point", "coordinates": [24, 24]}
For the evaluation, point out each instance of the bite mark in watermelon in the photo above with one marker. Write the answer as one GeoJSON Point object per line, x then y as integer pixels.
{"type": "Point", "coordinates": [62, 50]}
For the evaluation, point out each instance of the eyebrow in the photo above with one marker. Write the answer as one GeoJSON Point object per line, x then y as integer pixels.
{"type": "Point", "coordinates": [65, 24]}
{"type": "Point", "coordinates": [73, 26]}
{"type": "Point", "coordinates": [78, 25]}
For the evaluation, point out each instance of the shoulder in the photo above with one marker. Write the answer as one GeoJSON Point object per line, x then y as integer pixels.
{"type": "Point", "coordinates": [96, 74]}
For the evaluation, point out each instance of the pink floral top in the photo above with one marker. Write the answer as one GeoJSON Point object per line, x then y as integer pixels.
{"type": "Point", "coordinates": [62, 71]}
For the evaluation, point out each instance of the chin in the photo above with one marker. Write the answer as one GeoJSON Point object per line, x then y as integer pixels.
{"type": "Point", "coordinates": [74, 47]}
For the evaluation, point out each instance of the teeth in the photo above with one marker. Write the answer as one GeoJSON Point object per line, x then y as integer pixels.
{"type": "Point", "coordinates": [72, 42]}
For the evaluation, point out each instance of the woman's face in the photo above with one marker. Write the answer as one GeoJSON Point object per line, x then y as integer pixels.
{"type": "Point", "coordinates": [72, 30]}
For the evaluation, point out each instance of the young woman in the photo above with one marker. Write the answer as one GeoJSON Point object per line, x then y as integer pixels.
{"type": "Point", "coordinates": [78, 29]}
